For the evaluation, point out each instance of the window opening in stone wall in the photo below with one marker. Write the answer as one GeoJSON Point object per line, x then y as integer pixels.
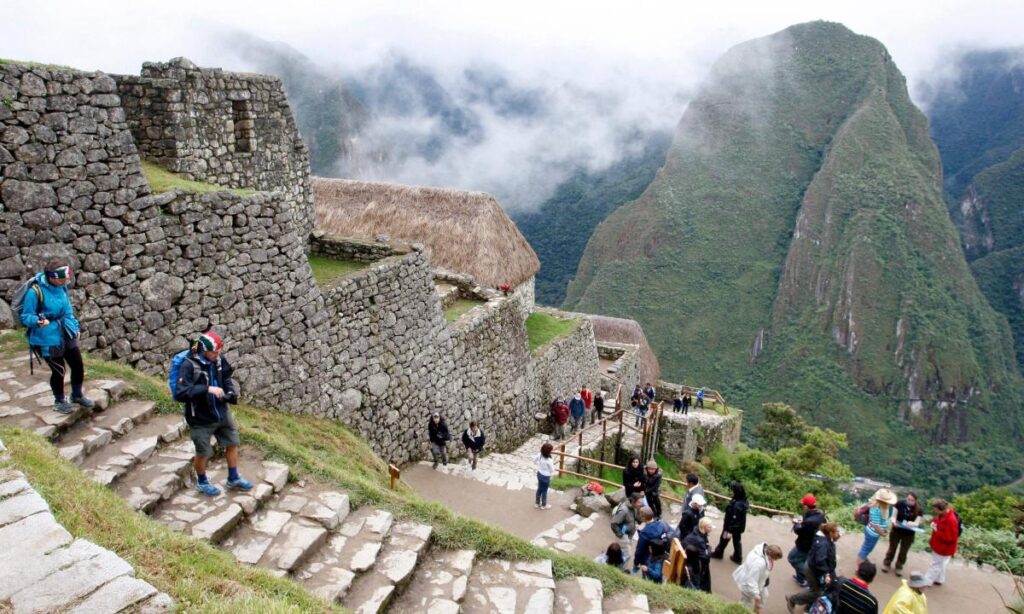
{"type": "Point", "coordinates": [245, 126]}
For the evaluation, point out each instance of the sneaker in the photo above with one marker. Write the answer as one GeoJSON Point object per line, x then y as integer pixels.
{"type": "Point", "coordinates": [536, 505]}
{"type": "Point", "coordinates": [207, 489]}
{"type": "Point", "coordinates": [239, 483]}
{"type": "Point", "coordinates": [898, 572]}
{"type": "Point", "coordinates": [63, 407]}
{"type": "Point", "coordinates": [885, 568]}
{"type": "Point", "coordinates": [546, 506]}
{"type": "Point", "coordinates": [83, 401]}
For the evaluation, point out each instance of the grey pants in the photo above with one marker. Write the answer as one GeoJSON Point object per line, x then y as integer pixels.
{"type": "Point", "coordinates": [440, 453]}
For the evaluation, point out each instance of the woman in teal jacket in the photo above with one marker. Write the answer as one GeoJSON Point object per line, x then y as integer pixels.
{"type": "Point", "coordinates": [53, 333]}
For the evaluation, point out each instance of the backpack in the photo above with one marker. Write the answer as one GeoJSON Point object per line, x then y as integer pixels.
{"type": "Point", "coordinates": [863, 514]}
{"type": "Point", "coordinates": [176, 362]}
{"type": "Point", "coordinates": [821, 605]}
{"type": "Point", "coordinates": [18, 301]}
{"type": "Point", "coordinates": [959, 524]}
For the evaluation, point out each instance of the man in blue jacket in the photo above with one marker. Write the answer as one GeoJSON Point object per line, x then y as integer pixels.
{"type": "Point", "coordinates": [204, 385]}
{"type": "Point", "coordinates": [53, 333]}
{"type": "Point", "coordinates": [577, 412]}
{"type": "Point", "coordinates": [651, 546]}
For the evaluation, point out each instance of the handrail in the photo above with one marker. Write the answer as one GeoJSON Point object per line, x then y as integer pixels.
{"type": "Point", "coordinates": [716, 395]}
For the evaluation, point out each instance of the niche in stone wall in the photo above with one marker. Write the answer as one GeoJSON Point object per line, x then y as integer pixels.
{"type": "Point", "coordinates": [245, 126]}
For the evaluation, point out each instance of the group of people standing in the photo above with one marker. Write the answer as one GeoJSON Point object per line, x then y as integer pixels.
{"type": "Point", "coordinates": [583, 407]}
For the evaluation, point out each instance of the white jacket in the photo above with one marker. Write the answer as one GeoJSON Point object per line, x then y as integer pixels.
{"type": "Point", "coordinates": [545, 466]}
{"type": "Point", "coordinates": [752, 575]}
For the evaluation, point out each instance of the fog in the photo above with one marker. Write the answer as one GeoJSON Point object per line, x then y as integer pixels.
{"type": "Point", "coordinates": [598, 70]}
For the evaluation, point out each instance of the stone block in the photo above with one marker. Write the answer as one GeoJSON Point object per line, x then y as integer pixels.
{"type": "Point", "coordinates": [216, 526]}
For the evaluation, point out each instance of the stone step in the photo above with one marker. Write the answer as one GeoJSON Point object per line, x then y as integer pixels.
{"type": "Point", "coordinates": [439, 585]}
{"type": "Point", "coordinates": [88, 438]}
{"type": "Point", "coordinates": [626, 602]}
{"type": "Point", "coordinates": [351, 549]}
{"type": "Point", "coordinates": [579, 595]}
{"type": "Point", "coordinates": [506, 586]}
{"type": "Point", "coordinates": [109, 463]}
{"type": "Point", "coordinates": [371, 592]}
{"type": "Point", "coordinates": [123, 417]}
{"type": "Point", "coordinates": [157, 479]}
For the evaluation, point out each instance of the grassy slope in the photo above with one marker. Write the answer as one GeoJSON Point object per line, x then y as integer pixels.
{"type": "Point", "coordinates": [312, 447]}
{"type": "Point", "coordinates": [749, 156]}
{"type": "Point", "coordinates": [459, 308]}
{"type": "Point", "coordinates": [326, 270]}
{"type": "Point", "coordinates": [542, 328]}
{"type": "Point", "coordinates": [163, 180]}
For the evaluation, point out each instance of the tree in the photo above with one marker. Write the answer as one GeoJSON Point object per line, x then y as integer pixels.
{"type": "Point", "coordinates": [780, 427]}
{"type": "Point", "coordinates": [819, 454]}
{"type": "Point", "coordinates": [989, 507]}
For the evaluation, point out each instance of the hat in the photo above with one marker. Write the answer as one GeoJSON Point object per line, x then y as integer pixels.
{"type": "Point", "coordinates": [884, 495]}
{"type": "Point", "coordinates": [61, 272]}
{"type": "Point", "coordinates": [577, 396]}
{"type": "Point", "coordinates": [699, 500]}
{"type": "Point", "coordinates": [652, 464]}
{"type": "Point", "coordinates": [209, 342]}
{"type": "Point", "coordinates": [917, 580]}
{"type": "Point", "coordinates": [435, 415]}
{"type": "Point", "coordinates": [809, 500]}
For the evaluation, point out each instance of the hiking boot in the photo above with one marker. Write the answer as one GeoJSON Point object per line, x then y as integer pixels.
{"type": "Point", "coordinates": [238, 483]}
{"type": "Point", "coordinates": [885, 568]}
{"type": "Point", "coordinates": [63, 407]}
{"type": "Point", "coordinates": [207, 489]}
{"type": "Point", "coordinates": [83, 401]}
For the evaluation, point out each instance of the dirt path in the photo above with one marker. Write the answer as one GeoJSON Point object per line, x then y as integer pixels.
{"type": "Point", "coordinates": [968, 590]}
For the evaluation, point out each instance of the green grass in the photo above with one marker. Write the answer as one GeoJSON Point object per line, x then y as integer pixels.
{"type": "Point", "coordinates": [541, 328]}
{"type": "Point", "coordinates": [459, 308]}
{"type": "Point", "coordinates": [203, 578]}
{"type": "Point", "coordinates": [326, 270]}
{"type": "Point", "coordinates": [37, 64]}
{"type": "Point", "coordinates": [163, 180]}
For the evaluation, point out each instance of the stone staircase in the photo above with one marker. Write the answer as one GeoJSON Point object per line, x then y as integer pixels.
{"type": "Point", "coordinates": [364, 559]}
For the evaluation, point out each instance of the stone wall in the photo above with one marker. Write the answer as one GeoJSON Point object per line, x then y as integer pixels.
{"type": "Point", "coordinates": [626, 364]}
{"type": "Point", "coordinates": [566, 363]}
{"type": "Point", "coordinates": [231, 129]}
{"type": "Point", "coordinates": [689, 437]}
{"type": "Point", "coordinates": [322, 244]}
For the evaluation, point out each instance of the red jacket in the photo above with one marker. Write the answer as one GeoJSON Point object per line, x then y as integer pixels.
{"type": "Point", "coordinates": [945, 534]}
{"type": "Point", "coordinates": [561, 413]}
{"type": "Point", "coordinates": [588, 397]}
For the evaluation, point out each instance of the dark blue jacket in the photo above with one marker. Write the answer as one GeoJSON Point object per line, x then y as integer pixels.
{"type": "Point", "coordinates": [577, 409]}
{"type": "Point", "coordinates": [652, 531]}
{"type": "Point", "coordinates": [56, 308]}
{"type": "Point", "coordinates": [193, 389]}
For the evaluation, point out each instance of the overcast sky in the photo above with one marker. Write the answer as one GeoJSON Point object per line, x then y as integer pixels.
{"type": "Point", "coordinates": [642, 57]}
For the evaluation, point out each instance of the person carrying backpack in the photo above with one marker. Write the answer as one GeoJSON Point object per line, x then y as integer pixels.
{"type": "Point", "coordinates": [474, 440]}
{"type": "Point", "coordinates": [53, 333]}
{"type": "Point", "coordinates": [651, 547]}
{"type": "Point", "coordinates": [943, 542]}
{"type": "Point", "coordinates": [624, 521]}
{"type": "Point", "coordinates": [202, 381]}
{"type": "Point", "coordinates": [820, 567]}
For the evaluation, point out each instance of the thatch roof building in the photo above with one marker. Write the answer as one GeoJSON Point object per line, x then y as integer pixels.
{"type": "Point", "coordinates": [466, 232]}
{"type": "Point", "coordinates": [621, 330]}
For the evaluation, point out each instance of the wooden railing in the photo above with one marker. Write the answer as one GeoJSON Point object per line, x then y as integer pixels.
{"type": "Point", "coordinates": [710, 395]}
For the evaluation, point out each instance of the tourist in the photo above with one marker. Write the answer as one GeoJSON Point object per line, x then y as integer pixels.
{"type": "Point", "coordinates": [691, 516]}
{"type": "Point", "coordinates": [853, 595]}
{"type": "Point", "coordinates": [652, 487]}
{"type": "Point", "coordinates": [820, 568]}
{"type": "Point", "coordinates": [437, 432]}
{"type": "Point", "coordinates": [734, 524]}
{"type": "Point", "coordinates": [613, 556]}
{"type": "Point", "coordinates": [53, 333]}
{"type": "Point", "coordinates": [693, 487]}
{"type": "Point", "coordinates": [687, 401]}
{"type": "Point", "coordinates": [677, 404]}
{"type": "Point", "coordinates": [638, 393]}
{"type": "Point", "coordinates": [634, 477]}
{"type": "Point", "coordinates": [752, 576]}
{"type": "Point", "coordinates": [698, 556]}
{"type": "Point", "coordinates": [205, 387]}
{"type": "Point", "coordinates": [901, 537]}
{"type": "Point", "coordinates": [651, 547]}
{"type": "Point", "coordinates": [880, 511]}
{"type": "Point", "coordinates": [598, 413]}
{"type": "Point", "coordinates": [909, 597]}
{"type": "Point", "coordinates": [805, 528]}
{"type": "Point", "coordinates": [474, 440]}
{"type": "Point", "coordinates": [577, 412]}
{"type": "Point", "coordinates": [943, 542]}
{"type": "Point", "coordinates": [625, 518]}
{"type": "Point", "coordinates": [639, 411]}
{"type": "Point", "coordinates": [700, 397]}
{"type": "Point", "coordinates": [588, 400]}
{"type": "Point", "coordinates": [649, 392]}
{"type": "Point", "coordinates": [545, 469]}
{"type": "Point", "coordinates": [559, 418]}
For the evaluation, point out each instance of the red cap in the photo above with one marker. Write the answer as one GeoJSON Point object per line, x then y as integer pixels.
{"type": "Point", "coordinates": [809, 500]}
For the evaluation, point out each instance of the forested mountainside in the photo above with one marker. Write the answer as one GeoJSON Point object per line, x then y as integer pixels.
{"type": "Point", "coordinates": [796, 247]}
{"type": "Point", "coordinates": [977, 121]}
{"type": "Point", "coordinates": [560, 228]}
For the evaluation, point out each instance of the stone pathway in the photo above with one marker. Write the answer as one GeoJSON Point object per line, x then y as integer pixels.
{"type": "Point", "coordinates": [44, 569]}
{"type": "Point", "coordinates": [364, 559]}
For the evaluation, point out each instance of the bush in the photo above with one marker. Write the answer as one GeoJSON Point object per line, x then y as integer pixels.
{"type": "Point", "coordinates": [989, 507]}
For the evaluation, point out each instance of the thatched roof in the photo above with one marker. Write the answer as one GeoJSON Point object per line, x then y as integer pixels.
{"type": "Point", "coordinates": [466, 232]}
{"type": "Point", "coordinates": [621, 330]}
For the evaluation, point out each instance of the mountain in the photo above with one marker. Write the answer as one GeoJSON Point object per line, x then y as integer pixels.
{"type": "Point", "coordinates": [796, 247]}
{"type": "Point", "coordinates": [559, 229]}
{"type": "Point", "coordinates": [977, 121]}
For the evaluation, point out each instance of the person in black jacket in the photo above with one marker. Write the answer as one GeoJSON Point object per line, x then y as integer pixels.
{"type": "Point", "coordinates": [437, 430]}
{"type": "Point", "coordinates": [820, 568]}
{"type": "Point", "coordinates": [598, 413]}
{"type": "Point", "coordinates": [652, 487]}
{"type": "Point", "coordinates": [634, 477]}
{"type": "Point", "coordinates": [734, 525]}
{"type": "Point", "coordinates": [698, 556]}
{"type": "Point", "coordinates": [474, 440]}
{"type": "Point", "coordinates": [691, 515]}
{"type": "Point", "coordinates": [805, 528]}
{"type": "Point", "coordinates": [908, 513]}
{"type": "Point", "coordinates": [205, 386]}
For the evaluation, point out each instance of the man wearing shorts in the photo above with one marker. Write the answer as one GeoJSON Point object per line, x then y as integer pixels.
{"type": "Point", "coordinates": [204, 385]}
